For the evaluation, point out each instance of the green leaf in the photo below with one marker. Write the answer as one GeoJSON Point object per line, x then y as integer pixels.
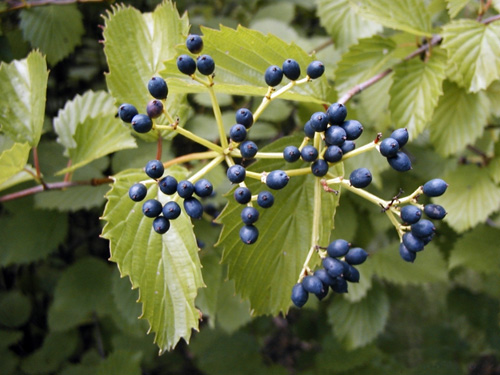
{"type": "Point", "coordinates": [416, 87]}
{"type": "Point", "coordinates": [121, 362]}
{"type": "Point", "coordinates": [56, 30]}
{"type": "Point", "coordinates": [15, 309]}
{"type": "Point", "coordinates": [357, 324]}
{"type": "Point", "coordinates": [459, 119]}
{"type": "Point", "coordinates": [455, 6]}
{"type": "Point", "coordinates": [496, 5]}
{"type": "Point", "coordinates": [165, 268]}
{"type": "Point", "coordinates": [405, 15]}
{"type": "Point", "coordinates": [471, 197]}
{"type": "Point", "coordinates": [266, 271]}
{"type": "Point", "coordinates": [478, 250]}
{"type": "Point", "coordinates": [473, 49]}
{"type": "Point", "coordinates": [23, 85]}
{"type": "Point", "coordinates": [493, 93]}
{"type": "Point", "coordinates": [241, 57]}
{"type": "Point", "coordinates": [343, 23]}
{"type": "Point", "coordinates": [13, 158]}
{"type": "Point", "coordinates": [136, 45]}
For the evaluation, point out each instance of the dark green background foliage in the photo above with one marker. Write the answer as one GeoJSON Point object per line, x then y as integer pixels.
{"type": "Point", "coordinates": [64, 308]}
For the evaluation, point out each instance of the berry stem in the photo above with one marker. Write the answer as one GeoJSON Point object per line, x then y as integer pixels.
{"type": "Point", "coordinates": [362, 193]}
{"type": "Point", "coordinates": [218, 117]}
{"type": "Point", "coordinates": [360, 150]}
{"type": "Point", "coordinates": [261, 155]}
{"type": "Point", "coordinates": [207, 168]}
{"type": "Point", "coordinates": [410, 198]}
{"type": "Point", "coordinates": [190, 157]}
{"type": "Point", "coordinates": [192, 136]}
{"type": "Point", "coordinates": [298, 172]}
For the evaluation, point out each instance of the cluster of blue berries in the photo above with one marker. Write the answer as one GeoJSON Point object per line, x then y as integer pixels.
{"type": "Point", "coordinates": [421, 231]}
{"type": "Point", "coordinates": [391, 148]}
{"type": "Point", "coordinates": [338, 269]}
{"type": "Point", "coordinates": [291, 70]}
{"type": "Point", "coordinates": [204, 63]}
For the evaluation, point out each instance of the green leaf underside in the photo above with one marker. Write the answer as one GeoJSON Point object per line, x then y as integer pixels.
{"type": "Point", "coordinates": [13, 160]}
{"type": "Point", "coordinates": [459, 119]}
{"type": "Point", "coordinates": [343, 23]}
{"type": "Point", "coordinates": [23, 85]}
{"type": "Point", "coordinates": [165, 268]}
{"type": "Point", "coordinates": [405, 15]}
{"type": "Point", "coordinates": [136, 45]}
{"type": "Point", "coordinates": [240, 65]}
{"type": "Point", "coordinates": [56, 30]}
{"type": "Point", "coordinates": [266, 271]}
{"type": "Point", "coordinates": [455, 6]}
{"type": "Point", "coordinates": [357, 324]}
{"type": "Point", "coordinates": [416, 87]}
{"type": "Point", "coordinates": [473, 49]}
{"type": "Point", "coordinates": [470, 198]}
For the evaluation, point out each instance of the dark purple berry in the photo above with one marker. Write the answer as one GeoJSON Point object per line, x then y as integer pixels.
{"type": "Point", "coordinates": [154, 108]}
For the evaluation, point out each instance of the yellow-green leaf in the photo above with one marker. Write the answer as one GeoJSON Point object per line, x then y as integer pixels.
{"type": "Point", "coordinates": [12, 159]}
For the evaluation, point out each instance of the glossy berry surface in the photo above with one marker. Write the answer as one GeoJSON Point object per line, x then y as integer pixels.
{"type": "Point", "coordinates": [151, 208]}
{"type": "Point", "coordinates": [340, 285]}
{"type": "Point", "coordinates": [333, 266]}
{"type": "Point", "coordinates": [333, 154]}
{"type": "Point", "coordinates": [401, 136]}
{"type": "Point", "coordinates": [137, 192]}
{"type": "Point", "coordinates": [405, 254]}
{"type": "Point", "coordinates": [434, 211]}
{"type": "Point", "coordinates": [154, 169]}
{"type": "Point", "coordinates": [248, 149]}
{"type": "Point", "coordinates": [351, 274]}
{"type": "Point", "coordinates": [336, 114]}
{"type": "Point", "coordinates": [273, 75]}
{"type": "Point", "coordinates": [412, 242]}
{"type": "Point", "coordinates": [335, 135]}
{"type": "Point", "coordinates": [277, 179]}
{"type": "Point", "coordinates": [244, 117]}
{"type": "Point", "coordinates": [356, 255]}
{"type": "Point", "coordinates": [249, 234]}
{"type": "Point", "coordinates": [410, 214]}
{"type": "Point", "coordinates": [435, 187]}
{"type": "Point", "coordinates": [338, 248]}
{"type": "Point", "coordinates": [194, 43]}
{"type": "Point", "coordinates": [309, 153]}
{"type": "Point", "coordinates": [299, 295]}
{"type": "Point", "coordinates": [168, 185]}
{"type": "Point", "coordinates": [312, 284]}
{"type": "Point", "coordinates": [347, 146]}
{"type": "Point", "coordinates": [249, 215]}
{"type": "Point", "coordinates": [238, 133]}
{"type": "Point", "coordinates": [142, 123]}
{"type": "Point", "coordinates": [325, 278]}
{"type": "Point", "coordinates": [186, 64]}
{"type": "Point", "coordinates": [291, 69]}
{"type": "Point", "coordinates": [193, 207]}
{"type": "Point", "coordinates": [389, 147]}
{"type": "Point", "coordinates": [308, 130]}
{"type": "Point", "coordinates": [353, 129]}
{"type": "Point", "coordinates": [242, 195]}
{"type": "Point", "coordinates": [315, 69]}
{"type": "Point", "coordinates": [158, 88]}
{"type": "Point", "coordinates": [360, 178]}
{"type": "Point", "coordinates": [185, 189]}
{"type": "Point", "coordinates": [291, 154]}
{"type": "Point", "coordinates": [127, 112]}
{"type": "Point", "coordinates": [319, 121]}
{"type": "Point", "coordinates": [203, 188]}
{"type": "Point", "coordinates": [400, 162]}
{"type": "Point", "coordinates": [424, 228]}
{"type": "Point", "coordinates": [171, 210]}
{"type": "Point", "coordinates": [154, 108]}
{"type": "Point", "coordinates": [319, 168]}
{"type": "Point", "coordinates": [236, 174]}
{"type": "Point", "coordinates": [265, 199]}
{"type": "Point", "coordinates": [161, 225]}
{"type": "Point", "coordinates": [205, 64]}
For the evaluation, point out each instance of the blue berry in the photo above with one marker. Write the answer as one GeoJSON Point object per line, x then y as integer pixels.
{"type": "Point", "coordinates": [242, 195]}
{"type": "Point", "coordinates": [203, 188]}
{"type": "Point", "coordinates": [249, 215]}
{"type": "Point", "coordinates": [273, 75]}
{"type": "Point", "coordinates": [205, 64]}
{"type": "Point", "coordinates": [319, 121]}
{"type": "Point", "coordinates": [333, 266]}
{"type": "Point", "coordinates": [154, 169]}
{"type": "Point", "coordinates": [236, 174]}
{"type": "Point", "coordinates": [338, 248]}
{"type": "Point", "coordinates": [186, 64]}
{"type": "Point", "coordinates": [351, 274]}
{"type": "Point", "coordinates": [336, 113]}
{"type": "Point", "coordinates": [401, 135]}
{"type": "Point", "coordinates": [322, 294]}
{"type": "Point", "coordinates": [238, 133]}
{"type": "Point", "coordinates": [424, 228]}
{"type": "Point", "coordinates": [410, 214]}
{"type": "Point", "coordinates": [127, 112]}
{"type": "Point", "coordinates": [335, 135]}
{"type": "Point", "coordinates": [265, 199]}
{"type": "Point", "coordinates": [291, 69]}
{"type": "Point", "coordinates": [142, 123]}
{"type": "Point", "coordinates": [389, 147]}
{"type": "Point", "coordinates": [168, 185]}
{"type": "Point", "coordinates": [435, 187]}
{"type": "Point", "coordinates": [194, 43]}
{"type": "Point", "coordinates": [137, 192]}
{"type": "Point", "coordinates": [151, 208]}
{"type": "Point", "coordinates": [193, 207]}
{"type": "Point", "coordinates": [158, 88]}
{"type": "Point", "coordinates": [325, 278]}
{"type": "Point", "coordinates": [319, 168]}
{"type": "Point", "coordinates": [405, 254]}
{"type": "Point", "coordinates": [249, 234]}
{"type": "Point", "coordinates": [185, 189]}
{"type": "Point", "coordinates": [308, 130]}
{"type": "Point", "coordinates": [315, 69]}
{"type": "Point", "coordinates": [401, 162]}
{"type": "Point", "coordinates": [412, 242]}
{"type": "Point", "coordinates": [309, 153]}
{"type": "Point", "coordinates": [340, 285]}
{"type": "Point", "coordinates": [248, 149]}
{"type": "Point", "coordinates": [360, 178]}
{"type": "Point", "coordinates": [435, 211]}
{"type": "Point", "coordinates": [161, 225]}
{"type": "Point", "coordinates": [347, 146]}
{"type": "Point", "coordinates": [277, 179]}
{"type": "Point", "coordinates": [171, 210]}
{"type": "Point", "coordinates": [291, 154]}
{"type": "Point", "coordinates": [154, 108]}
{"type": "Point", "coordinates": [299, 295]}
{"type": "Point", "coordinates": [333, 154]}
{"type": "Point", "coordinates": [353, 129]}
{"type": "Point", "coordinates": [312, 284]}
{"type": "Point", "coordinates": [245, 117]}
{"type": "Point", "coordinates": [356, 255]}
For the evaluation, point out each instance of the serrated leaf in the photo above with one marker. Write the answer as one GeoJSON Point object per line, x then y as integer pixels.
{"type": "Point", "coordinates": [363, 60]}
{"type": "Point", "coordinates": [56, 30]}
{"type": "Point", "coordinates": [13, 160]}
{"type": "Point", "coordinates": [343, 23]}
{"type": "Point", "coordinates": [241, 58]}
{"type": "Point", "coordinates": [478, 250]}
{"type": "Point", "coordinates": [165, 268]}
{"type": "Point", "coordinates": [406, 15]}
{"type": "Point", "coordinates": [23, 85]}
{"type": "Point", "coordinates": [357, 324]}
{"type": "Point", "coordinates": [416, 87]}
{"type": "Point", "coordinates": [266, 271]}
{"type": "Point", "coordinates": [455, 6]}
{"type": "Point", "coordinates": [470, 198]}
{"type": "Point", "coordinates": [458, 120]}
{"type": "Point", "coordinates": [473, 49]}
{"type": "Point", "coordinates": [136, 45]}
